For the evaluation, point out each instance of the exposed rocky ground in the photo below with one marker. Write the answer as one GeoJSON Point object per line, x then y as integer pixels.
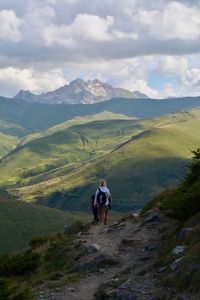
{"type": "Point", "coordinates": [151, 256]}
{"type": "Point", "coordinates": [120, 263]}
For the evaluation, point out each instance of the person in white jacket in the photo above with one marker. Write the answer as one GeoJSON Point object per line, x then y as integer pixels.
{"type": "Point", "coordinates": [103, 201]}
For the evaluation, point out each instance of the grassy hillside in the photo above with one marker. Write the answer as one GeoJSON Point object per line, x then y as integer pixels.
{"type": "Point", "coordinates": [7, 144]}
{"type": "Point", "coordinates": [37, 117]}
{"type": "Point", "coordinates": [65, 146]}
{"type": "Point", "coordinates": [104, 115]}
{"type": "Point", "coordinates": [138, 168]}
{"type": "Point", "coordinates": [182, 205]}
{"type": "Point", "coordinates": [12, 129]}
{"type": "Point", "coordinates": [20, 222]}
{"type": "Point", "coordinates": [10, 134]}
{"type": "Point", "coordinates": [46, 262]}
{"type": "Point", "coordinates": [73, 141]}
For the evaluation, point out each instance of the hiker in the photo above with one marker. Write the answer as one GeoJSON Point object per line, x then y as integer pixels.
{"type": "Point", "coordinates": [103, 201]}
{"type": "Point", "coordinates": [94, 210]}
{"type": "Point", "coordinates": [108, 208]}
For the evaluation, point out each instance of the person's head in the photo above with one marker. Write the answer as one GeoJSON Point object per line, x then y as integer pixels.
{"type": "Point", "coordinates": [102, 182]}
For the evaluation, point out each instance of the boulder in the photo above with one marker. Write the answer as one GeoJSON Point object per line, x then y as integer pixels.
{"type": "Point", "coordinates": [176, 263]}
{"type": "Point", "coordinates": [119, 294]}
{"type": "Point", "coordinates": [183, 232]}
{"type": "Point", "coordinates": [162, 269]}
{"type": "Point", "coordinates": [117, 226]}
{"type": "Point", "coordinates": [96, 263]}
{"type": "Point", "coordinates": [150, 219]}
{"type": "Point", "coordinates": [151, 247]}
{"type": "Point", "coordinates": [93, 248]}
{"type": "Point", "coordinates": [68, 228]}
{"type": "Point", "coordinates": [178, 250]}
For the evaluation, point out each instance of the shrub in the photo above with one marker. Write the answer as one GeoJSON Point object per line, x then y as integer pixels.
{"type": "Point", "coordinates": [19, 264]}
{"type": "Point", "coordinates": [185, 201]}
{"type": "Point", "coordinates": [10, 290]}
{"type": "Point", "coordinates": [38, 242]}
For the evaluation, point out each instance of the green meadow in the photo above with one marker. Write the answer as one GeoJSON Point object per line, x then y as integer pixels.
{"type": "Point", "coordinates": [139, 158]}
{"type": "Point", "coordinates": [20, 222]}
{"type": "Point", "coordinates": [65, 144]}
{"type": "Point", "coordinates": [10, 134]}
{"type": "Point", "coordinates": [7, 144]}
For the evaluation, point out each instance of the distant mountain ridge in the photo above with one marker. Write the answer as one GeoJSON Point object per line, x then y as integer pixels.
{"type": "Point", "coordinates": [79, 91]}
{"type": "Point", "coordinates": [32, 116]}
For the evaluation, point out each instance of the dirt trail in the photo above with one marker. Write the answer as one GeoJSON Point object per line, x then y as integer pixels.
{"type": "Point", "coordinates": [134, 246]}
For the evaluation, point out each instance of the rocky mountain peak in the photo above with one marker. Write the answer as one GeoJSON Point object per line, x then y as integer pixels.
{"type": "Point", "coordinates": [77, 81]}
{"type": "Point", "coordinates": [24, 94]}
{"type": "Point", "coordinates": [79, 91]}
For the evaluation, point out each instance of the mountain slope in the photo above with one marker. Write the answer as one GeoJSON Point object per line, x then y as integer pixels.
{"type": "Point", "coordinates": [178, 256]}
{"type": "Point", "coordinates": [142, 256]}
{"type": "Point", "coordinates": [136, 169]}
{"type": "Point", "coordinates": [104, 115]}
{"type": "Point", "coordinates": [7, 144]}
{"type": "Point", "coordinates": [12, 129]}
{"type": "Point", "coordinates": [68, 270]}
{"type": "Point", "coordinates": [36, 117]}
{"type": "Point", "coordinates": [59, 146]}
{"type": "Point", "coordinates": [20, 222]}
{"type": "Point", "coordinates": [10, 134]}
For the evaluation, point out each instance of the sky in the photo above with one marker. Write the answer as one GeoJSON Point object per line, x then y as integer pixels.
{"type": "Point", "coordinates": [141, 45]}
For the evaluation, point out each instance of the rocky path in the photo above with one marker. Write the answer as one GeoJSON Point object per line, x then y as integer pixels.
{"type": "Point", "coordinates": [133, 245]}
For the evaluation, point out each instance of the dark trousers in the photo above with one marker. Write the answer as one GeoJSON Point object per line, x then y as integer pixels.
{"type": "Point", "coordinates": [95, 213]}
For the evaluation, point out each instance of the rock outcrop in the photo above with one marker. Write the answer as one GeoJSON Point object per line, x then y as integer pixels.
{"type": "Point", "coordinates": [79, 91]}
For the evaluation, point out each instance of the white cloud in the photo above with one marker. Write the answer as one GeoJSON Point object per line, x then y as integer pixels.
{"type": "Point", "coordinates": [84, 27]}
{"type": "Point", "coordinates": [187, 85]}
{"type": "Point", "coordinates": [48, 81]}
{"type": "Point", "coordinates": [191, 78]}
{"type": "Point", "coordinates": [12, 80]}
{"type": "Point", "coordinates": [117, 34]}
{"type": "Point", "coordinates": [142, 86]}
{"type": "Point", "coordinates": [34, 22]}
{"type": "Point", "coordinates": [123, 42]}
{"type": "Point", "coordinates": [91, 27]}
{"type": "Point", "coordinates": [54, 35]}
{"type": "Point", "coordinates": [174, 21]}
{"type": "Point", "coordinates": [172, 66]}
{"type": "Point", "coordinates": [10, 26]}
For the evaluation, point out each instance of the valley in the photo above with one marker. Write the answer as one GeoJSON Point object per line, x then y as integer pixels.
{"type": "Point", "coordinates": [136, 170]}
{"type": "Point", "coordinates": [56, 157]}
{"type": "Point", "coordinates": [60, 166]}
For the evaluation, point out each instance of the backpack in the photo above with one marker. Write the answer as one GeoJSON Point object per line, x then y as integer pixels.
{"type": "Point", "coordinates": [101, 197]}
